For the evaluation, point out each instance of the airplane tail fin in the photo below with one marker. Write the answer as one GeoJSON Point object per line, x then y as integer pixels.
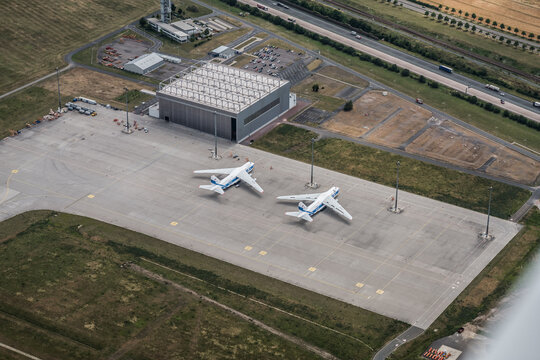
{"type": "Point", "coordinates": [214, 179]}
{"type": "Point", "coordinates": [215, 188]}
{"type": "Point", "coordinates": [300, 215]}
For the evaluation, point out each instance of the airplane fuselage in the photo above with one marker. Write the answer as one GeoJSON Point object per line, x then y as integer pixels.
{"type": "Point", "coordinates": [318, 205]}
{"type": "Point", "coordinates": [232, 178]}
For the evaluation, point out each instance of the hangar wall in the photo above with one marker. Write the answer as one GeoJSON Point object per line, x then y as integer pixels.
{"type": "Point", "coordinates": [231, 126]}
{"type": "Point", "coordinates": [195, 116]}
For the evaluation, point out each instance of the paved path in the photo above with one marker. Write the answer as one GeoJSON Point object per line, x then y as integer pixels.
{"type": "Point", "coordinates": [407, 335]}
{"type": "Point", "coordinates": [71, 63]}
{"type": "Point", "coordinates": [389, 117]}
{"type": "Point", "coordinates": [19, 352]}
{"type": "Point", "coordinates": [36, 81]}
{"type": "Point", "coordinates": [527, 206]}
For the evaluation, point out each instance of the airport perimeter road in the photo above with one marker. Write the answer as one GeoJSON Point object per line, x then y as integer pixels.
{"type": "Point", "coordinates": [418, 66]}
{"type": "Point", "coordinates": [409, 266]}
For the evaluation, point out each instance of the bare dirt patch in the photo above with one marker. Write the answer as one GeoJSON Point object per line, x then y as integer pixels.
{"type": "Point", "coordinates": [91, 84]}
{"type": "Point", "coordinates": [373, 108]}
{"type": "Point", "coordinates": [515, 166]}
{"type": "Point", "coordinates": [391, 121]}
{"type": "Point", "coordinates": [401, 125]}
{"type": "Point", "coordinates": [454, 144]}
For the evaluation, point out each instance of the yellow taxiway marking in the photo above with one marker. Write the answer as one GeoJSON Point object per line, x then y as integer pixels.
{"type": "Point", "coordinates": [248, 248]}
{"type": "Point", "coordinates": [185, 236]}
{"type": "Point", "coordinates": [91, 196]}
{"type": "Point", "coordinates": [380, 292]}
{"type": "Point", "coordinates": [312, 269]}
{"type": "Point", "coordinates": [174, 223]}
{"type": "Point", "coordinates": [262, 252]}
{"type": "Point", "coordinates": [14, 171]}
{"type": "Point", "coordinates": [359, 285]}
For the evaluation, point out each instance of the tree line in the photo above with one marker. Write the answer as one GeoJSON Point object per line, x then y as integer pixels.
{"type": "Point", "coordinates": [430, 52]}
{"type": "Point", "coordinates": [365, 57]}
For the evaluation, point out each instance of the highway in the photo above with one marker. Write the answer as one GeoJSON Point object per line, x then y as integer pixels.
{"type": "Point", "coordinates": [393, 56]}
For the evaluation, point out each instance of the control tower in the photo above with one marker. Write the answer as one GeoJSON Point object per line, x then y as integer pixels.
{"type": "Point", "coordinates": [166, 11]}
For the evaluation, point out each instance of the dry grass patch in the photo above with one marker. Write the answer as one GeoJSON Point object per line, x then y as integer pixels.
{"type": "Point", "coordinates": [314, 64]}
{"type": "Point", "coordinates": [92, 84]}
{"type": "Point", "coordinates": [341, 75]}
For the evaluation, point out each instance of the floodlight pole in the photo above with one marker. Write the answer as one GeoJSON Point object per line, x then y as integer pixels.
{"type": "Point", "coordinates": [489, 211]}
{"type": "Point", "coordinates": [396, 210]}
{"type": "Point", "coordinates": [58, 82]}
{"type": "Point", "coordinates": [312, 159]}
{"type": "Point", "coordinates": [215, 135]}
{"type": "Point", "coordinates": [128, 130]}
{"type": "Point", "coordinates": [311, 184]}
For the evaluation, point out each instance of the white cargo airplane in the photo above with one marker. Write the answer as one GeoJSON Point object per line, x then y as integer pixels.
{"type": "Point", "coordinates": [234, 175]}
{"type": "Point", "coordinates": [320, 201]}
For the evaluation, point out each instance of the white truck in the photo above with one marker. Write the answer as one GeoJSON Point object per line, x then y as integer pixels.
{"type": "Point", "coordinates": [492, 87]}
{"type": "Point", "coordinates": [536, 103]}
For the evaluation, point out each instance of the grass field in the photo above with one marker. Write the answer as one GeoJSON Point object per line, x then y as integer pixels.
{"type": "Point", "coordinates": [27, 106]}
{"type": "Point", "coordinates": [322, 98]}
{"type": "Point", "coordinates": [492, 123]}
{"type": "Point", "coordinates": [484, 292]}
{"type": "Point", "coordinates": [415, 176]}
{"type": "Point", "coordinates": [62, 281]}
{"type": "Point", "coordinates": [189, 13]}
{"type": "Point", "coordinates": [36, 36]}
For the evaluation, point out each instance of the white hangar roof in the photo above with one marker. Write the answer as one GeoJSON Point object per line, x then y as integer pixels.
{"type": "Point", "coordinates": [220, 86]}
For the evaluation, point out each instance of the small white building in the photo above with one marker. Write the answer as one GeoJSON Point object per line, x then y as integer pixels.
{"type": "Point", "coordinates": [168, 30]}
{"type": "Point", "coordinates": [186, 27]}
{"type": "Point", "coordinates": [223, 52]}
{"type": "Point", "coordinates": [144, 64]}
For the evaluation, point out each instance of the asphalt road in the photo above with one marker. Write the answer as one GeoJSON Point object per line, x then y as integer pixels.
{"type": "Point", "coordinates": [407, 335]}
{"type": "Point", "coordinates": [379, 49]}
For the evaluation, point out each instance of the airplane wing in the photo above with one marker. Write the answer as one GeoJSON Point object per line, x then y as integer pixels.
{"type": "Point", "coordinates": [334, 205]}
{"type": "Point", "coordinates": [304, 197]}
{"type": "Point", "coordinates": [245, 177]}
{"type": "Point", "coordinates": [215, 171]}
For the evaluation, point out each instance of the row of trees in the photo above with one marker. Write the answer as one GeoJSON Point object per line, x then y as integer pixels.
{"type": "Point", "coordinates": [495, 109]}
{"type": "Point", "coordinates": [473, 28]}
{"type": "Point", "coordinates": [430, 52]}
{"type": "Point", "coordinates": [488, 22]}
{"type": "Point", "coordinates": [365, 57]}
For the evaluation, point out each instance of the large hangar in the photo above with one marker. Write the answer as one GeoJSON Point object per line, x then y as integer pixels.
{"type": "Point", "coordinates": [241, 101]}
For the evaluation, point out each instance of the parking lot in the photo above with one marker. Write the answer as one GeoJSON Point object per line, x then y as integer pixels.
{"type": "Point", "coordinates": [409, 266]}
{"type": "Point", "coordinates": [274, 60]}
